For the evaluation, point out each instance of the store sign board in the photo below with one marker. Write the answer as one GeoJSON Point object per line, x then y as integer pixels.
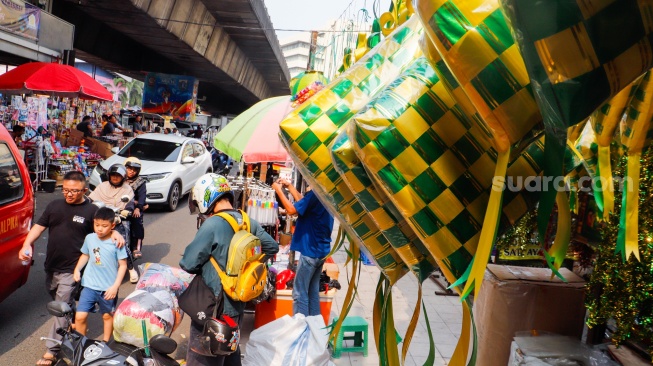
{"type": "Point", "coordinates": [172, 95]}
{"type": "Point", "coordinates": [20, 18]}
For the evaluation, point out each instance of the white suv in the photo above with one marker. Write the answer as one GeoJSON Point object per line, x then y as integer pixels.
{"type": "Point", "coordinates": [172, 164]}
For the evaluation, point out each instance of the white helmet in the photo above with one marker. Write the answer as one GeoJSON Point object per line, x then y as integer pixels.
{"type": "Point", "coordinates": [206, 192]}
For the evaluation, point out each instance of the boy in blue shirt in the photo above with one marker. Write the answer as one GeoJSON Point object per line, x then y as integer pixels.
{"type": "Point", "coordinates": [103, 275]}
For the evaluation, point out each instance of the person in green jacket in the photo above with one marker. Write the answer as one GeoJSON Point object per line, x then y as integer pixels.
{"type": "Point", "coordinates": [211, 195]}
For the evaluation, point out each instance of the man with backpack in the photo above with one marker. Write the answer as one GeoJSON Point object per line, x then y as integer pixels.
{"type": "Point", "coordinates": [213, 196]}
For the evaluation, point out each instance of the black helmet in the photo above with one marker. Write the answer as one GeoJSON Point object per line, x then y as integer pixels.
{"type": "Point", "coordinates": [220, 337]}
{"type": "Point", "coordinates": [118, 169]}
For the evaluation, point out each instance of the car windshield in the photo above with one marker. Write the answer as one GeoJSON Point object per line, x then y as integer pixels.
{"type": "Point", "coordinates": [153, 150]}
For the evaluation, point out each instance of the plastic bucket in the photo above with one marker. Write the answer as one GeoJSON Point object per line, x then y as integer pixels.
{"type": "Point", "coordinates": [48, 185]}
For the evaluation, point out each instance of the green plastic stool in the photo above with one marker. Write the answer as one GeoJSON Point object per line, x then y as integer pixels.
{"type": "Point", "coordinates": [358, 326]}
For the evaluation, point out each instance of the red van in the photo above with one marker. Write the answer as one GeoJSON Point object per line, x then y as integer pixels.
{"type": "Point", "coordinates": [16, 212]}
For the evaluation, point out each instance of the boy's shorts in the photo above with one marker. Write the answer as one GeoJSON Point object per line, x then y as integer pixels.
{"type": "Point", "coordinates": [90, 297]}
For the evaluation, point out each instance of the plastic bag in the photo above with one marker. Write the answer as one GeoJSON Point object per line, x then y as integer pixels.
{"type": "Point", "coordinates": [289, 341]}
{"type": "Point", "coordinates": [159, 309]}
{"type": "Point", "coordinates": [157, 276]}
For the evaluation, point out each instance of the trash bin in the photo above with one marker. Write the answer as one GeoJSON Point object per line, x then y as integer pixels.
{"type": "Point", "coordinates": [48, 185]}
{"type": "Point", "coordinates": [281, 305]}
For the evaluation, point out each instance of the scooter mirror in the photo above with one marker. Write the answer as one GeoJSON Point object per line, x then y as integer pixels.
{"type": "Point", "coordinates": [59, 308]}
{"type": "Point", "coordinates": [163, 344]}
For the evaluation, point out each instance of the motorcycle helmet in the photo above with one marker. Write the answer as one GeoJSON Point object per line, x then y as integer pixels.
{"type": "Point", "coordinates": [283, 277]}
{"type": "Point", "coordinates": [220, 337]}
{"type": "Point", "coordinates": [117, 169]}
{"type": "Point", "coordinates": [133, 162]}
{"type": "Point", "coordinates": [206, 192]}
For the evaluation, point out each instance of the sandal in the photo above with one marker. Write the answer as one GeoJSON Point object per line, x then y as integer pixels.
{"type": "Point", "coordinates": [137, 254]}
{"type": "Point", "coordinates": [46, 361]}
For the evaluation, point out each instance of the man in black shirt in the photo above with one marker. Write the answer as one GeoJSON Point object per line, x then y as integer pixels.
{"type": "Point", "coordinates": [85, 126]}
{"type": "Point", "coordinates": [69, 220]}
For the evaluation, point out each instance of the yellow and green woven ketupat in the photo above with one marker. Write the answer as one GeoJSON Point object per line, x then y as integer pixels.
{"type": "Point", "coordinates": [474, 41]}
{"type": "Point", "coordinates": [436, 165]}
{"type": "Point", "coordinates": [308, 130]}
{"type": "Point", "coordinates": [578, 54]}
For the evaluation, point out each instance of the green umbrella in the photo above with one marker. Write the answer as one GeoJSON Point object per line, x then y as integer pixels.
{"type": "Point", "coordinates": [253, 135]}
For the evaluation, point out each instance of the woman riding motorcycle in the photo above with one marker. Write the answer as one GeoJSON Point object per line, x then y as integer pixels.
{"type": "Point", "coordinates": [111, 193]}
{"type": "Point", "coordinates": [137, 183]}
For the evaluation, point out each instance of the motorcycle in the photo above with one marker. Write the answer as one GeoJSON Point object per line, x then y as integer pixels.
{"type": "Point", "coordinates": [78, 350]}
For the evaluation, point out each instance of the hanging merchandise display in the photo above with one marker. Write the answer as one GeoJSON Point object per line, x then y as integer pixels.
{"type": "Point", "coordinates": [262, 205]}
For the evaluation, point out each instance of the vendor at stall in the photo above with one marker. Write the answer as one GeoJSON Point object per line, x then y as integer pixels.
{"type": "Point", "coordinates": [110, 127]}
{"type": "Point", "coordinates": [85, 126]}
{"type": "Point", "coordinates": [138, 125]}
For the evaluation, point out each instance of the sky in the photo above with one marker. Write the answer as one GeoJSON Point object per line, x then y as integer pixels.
{"type": "Point", "coordinates": [314, 14]}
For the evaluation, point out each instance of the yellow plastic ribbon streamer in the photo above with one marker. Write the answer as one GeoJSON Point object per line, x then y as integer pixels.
{"type": "Point", "coordinates": [349, 296]}
{"type": "Point", "coordinates": [412, 325]}
{"type": "Point", "coordinates": [460, 354]}
{"type": "Point", "coordinates": [607, 183]}
{"type": "Point", "coordinates": [628, 228]}
{"type": "Point", "coordinates": [490, 225]}
{"type": "Point", "coordinates": [558, 250]}
{"type": "Point", "coordinates": [361, 46]}
{"type": "Point", "coordinates": [400, 12]}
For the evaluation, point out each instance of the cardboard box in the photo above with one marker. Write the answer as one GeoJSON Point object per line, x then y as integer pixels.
{"type": "Point", "coordinates": [74, 138]}
{"type": "Point", "coordinates": [100, 147]}
{"type": "Point", "coordinates": [514, 299]}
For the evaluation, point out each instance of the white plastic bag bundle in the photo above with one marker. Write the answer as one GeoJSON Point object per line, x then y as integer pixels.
{"type": "Point", "coordinates": [289, 341]}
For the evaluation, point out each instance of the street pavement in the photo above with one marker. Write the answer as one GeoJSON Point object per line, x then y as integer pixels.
{"type": "Point", "coordinates": [24, 318]}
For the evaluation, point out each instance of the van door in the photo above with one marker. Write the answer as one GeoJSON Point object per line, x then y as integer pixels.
{"type": "Point", "coordinates": [16, 211]}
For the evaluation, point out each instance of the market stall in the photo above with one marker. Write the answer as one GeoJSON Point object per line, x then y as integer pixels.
{"type": "Point", "coordinates": [59, 96]}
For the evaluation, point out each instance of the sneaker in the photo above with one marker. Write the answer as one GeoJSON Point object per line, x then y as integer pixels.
{"type": "Point", "coordinates": [133, 276]}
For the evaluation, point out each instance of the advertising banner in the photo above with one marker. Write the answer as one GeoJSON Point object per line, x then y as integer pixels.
{"type": "Point", "coordinates": [20, 18]}
{"type": "Point", "coordinates": [170, 95]}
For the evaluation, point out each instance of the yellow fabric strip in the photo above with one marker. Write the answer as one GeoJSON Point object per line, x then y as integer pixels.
{"type": "Point", "coordinates": [349, 296]}
{"type": "Point", "coordinates": [605, 170]}
{"type": "Point", "coordinates": [412, 325]}
{"type": "Point", "coordinates": [563, 232]}
{"type": "Point", "coordinates": [490, 223]}
{"type": "Point", "coordinates": [459, 357]}
{"type": "Point", "coordinates": [632, 205]}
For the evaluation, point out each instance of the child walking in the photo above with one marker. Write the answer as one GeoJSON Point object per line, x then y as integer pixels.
{"type": "Point", "coordinates": [103, 275]}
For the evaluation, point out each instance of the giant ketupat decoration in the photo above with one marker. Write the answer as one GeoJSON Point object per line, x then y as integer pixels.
{"type": "Point", "coordinates": [309, 129]}
{"type": "Point", "coordinates": [578, 54]}
{"type": "Point", "coordinates": [475, 43]}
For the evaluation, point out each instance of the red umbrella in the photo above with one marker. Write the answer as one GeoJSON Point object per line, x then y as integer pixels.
{"type": "Point", "coordinates": [50, 78]}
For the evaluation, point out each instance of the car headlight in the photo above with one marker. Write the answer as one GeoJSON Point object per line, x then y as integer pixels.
{"type": "Point", "coordinates": [159, 176]}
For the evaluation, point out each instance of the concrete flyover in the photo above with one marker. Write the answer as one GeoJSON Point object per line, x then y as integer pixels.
{"type": "Point", "coordinates": [229, 45]}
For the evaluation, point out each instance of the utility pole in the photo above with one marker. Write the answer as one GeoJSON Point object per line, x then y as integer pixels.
{"type": "Point", "coordinates": [312, 51]}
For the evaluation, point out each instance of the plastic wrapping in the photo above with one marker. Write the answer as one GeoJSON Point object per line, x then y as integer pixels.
{"type": "Point", "coordinates": [158, 308]}
{"type": "Point", "coordinates": [383, 212]}
{"type": "Point", "coordinates": [436, 165]}
{"type": "Point", "coordinates": [156, 276]}
{"type": "Point", "coordinates": [554, 350]}
{"type": "Point", "coordinates": [296, 340]}
{"type": "Point", "coordinates": [309, 129]}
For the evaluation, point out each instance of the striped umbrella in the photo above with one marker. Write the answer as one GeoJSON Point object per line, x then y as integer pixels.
{"type": "Point", "coordinates": [253, 135]}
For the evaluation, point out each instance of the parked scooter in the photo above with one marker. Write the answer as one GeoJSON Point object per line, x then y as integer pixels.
{"type": "Point", "coordinates": [78, 350]}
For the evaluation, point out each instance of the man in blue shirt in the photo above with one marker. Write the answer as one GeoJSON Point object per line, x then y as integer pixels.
{"type": "Point", "coordinates": [312, 238]}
